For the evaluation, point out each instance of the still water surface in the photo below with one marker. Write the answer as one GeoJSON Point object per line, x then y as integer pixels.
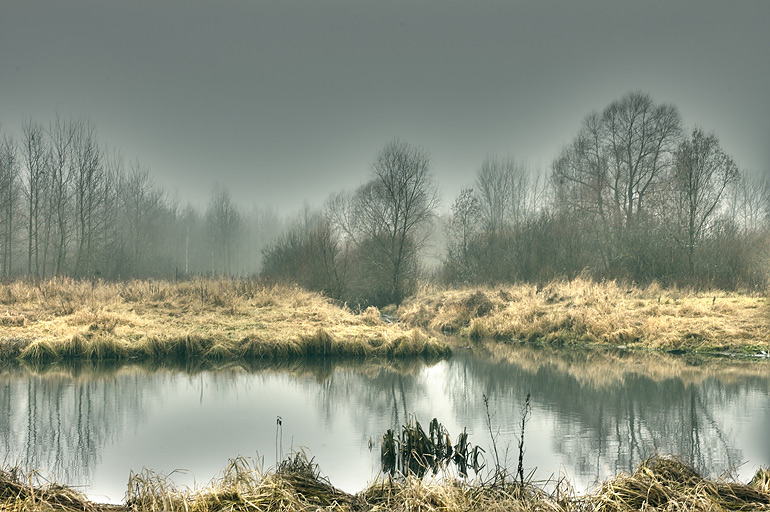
{"type": "Point", "coordinates": [593, 415]}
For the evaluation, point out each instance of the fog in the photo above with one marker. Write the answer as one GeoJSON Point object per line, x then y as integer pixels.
{"type": "Point", "coordinates": [358, 149]}
{"type": "Point", "coordinates": [286, 102]}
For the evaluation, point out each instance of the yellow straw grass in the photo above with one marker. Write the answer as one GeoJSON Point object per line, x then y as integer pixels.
{"type": "Point", "coordinates": [659, 483]}
{"type": "Point", "coordinates": [583, 312]}
{"type": "Point", "coordinates": [215, 319]}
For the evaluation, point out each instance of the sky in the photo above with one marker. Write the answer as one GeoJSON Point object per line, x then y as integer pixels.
{"type": "Point", "coordinates": [285, 102]}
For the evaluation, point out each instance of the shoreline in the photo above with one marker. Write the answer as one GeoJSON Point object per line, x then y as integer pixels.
{"type": "Point", "coordinates": [581, 313]}
{"type": "Point", "coordinates": [206, 319]}
{"type": "Point", "coordinates": [297, 484]}
{"type": "Point", "coordinates": [221, 320]}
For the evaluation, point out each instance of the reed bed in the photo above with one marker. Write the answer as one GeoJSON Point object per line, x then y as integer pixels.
{"type": "Point", "coordinates": [206, 319]}
{"type": "Point", "coordinates": [584, 312]}
{"type": "Point", "coordinates": [22, 492]}
{"type": "Point", "coordinates": [659, 483]}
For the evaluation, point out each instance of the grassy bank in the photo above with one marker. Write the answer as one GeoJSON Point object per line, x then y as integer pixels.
{"type": "Point", "coordinates": [659, 483]}
{"type": "Point", "coordinates": [204, 319]}
{"type": "Point", "coordinates": [221, 320]}
{"type": "Point", "coordinates": [582, 312]}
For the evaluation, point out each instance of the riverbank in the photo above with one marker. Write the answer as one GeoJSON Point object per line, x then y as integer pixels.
{"type": "Point", "coordinates": [585, 313]}
{"type": "Point", "coordinates": [225, 320]}
{"type": "Point", "coordinates": [205, 319]}
{"type": "Point", "coordinates": [658, 483]}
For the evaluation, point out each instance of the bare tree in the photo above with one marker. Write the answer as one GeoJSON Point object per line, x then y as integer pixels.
{"type": "Point", "coordinates": [748, 201]}
{"type": "Point", "coordinates": [501, 187]}
{"type": "Point", "coordinates": [701, 174]}
{"type": "Point", "coordinates": [580, 173]}
{"type": "Point", "coordinates": [34, 153]}
{"type": "Point", "coordinates": [614, 174]}
{"type": "Point", "coordinates": [639, 141]}
{"type": "Point", "coordinates": [462, 230]}
{"type": "Point", "coordinates": [9, 175]}
{"type": "Point", "coordinates": [392, 208]}
{"type": "Point", "coordinates": [61, 167]}
{"type": "Point", "coordinates": [141, 203]}
{"type": "Point", "coordinates": [580, 179]}
{"type": "Point", "coordinates": [88, 179]}
{"type": "Point", "coordinates": [224, 223]}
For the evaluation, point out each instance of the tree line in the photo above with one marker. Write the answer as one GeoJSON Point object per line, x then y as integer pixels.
{"type": "Point", "coordinates": [633, 196]}
{"type": "Point", "coordinates": [71, 206]}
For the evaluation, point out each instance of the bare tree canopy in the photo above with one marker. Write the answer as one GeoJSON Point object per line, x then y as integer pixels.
{"type": "Point", "coordinates": [701, 174]}
{"type": "Point", "coordinates": [629, 197]}
{"type": "Point", "coordinates": [224, 224]}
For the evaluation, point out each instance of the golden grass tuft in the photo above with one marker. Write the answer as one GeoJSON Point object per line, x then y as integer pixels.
{"type": "Point", "coordinates": [761, 480]}
{"type": "Point", "coordinates": [581, 312]}
{"type": "Point", "coordinates": [20, 492]}
{"type": "Point", "coordinates": [666, 483]}
{"type": "Point", "coordinates": [371, 316]}
{"type": "Point", "coordinates": [12, 321]}
{"type": "Point", "coordinates": [40, 351]}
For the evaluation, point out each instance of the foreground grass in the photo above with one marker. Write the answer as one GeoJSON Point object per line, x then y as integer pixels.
{"type": "Point", "coordinates": [582, 312]}
{"type": "Point", "coordinates": [659, 483]}
{"type": "Point", "coordinates": [218, 320]}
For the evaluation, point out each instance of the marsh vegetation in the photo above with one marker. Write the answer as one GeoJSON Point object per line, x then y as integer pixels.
{"type": "Point", "coordinates": [608, 313]}
{"type": "Point", "coordinates": [658, 483]}
{"type": "Point", "coordinates": [222, 319]}
{"type": "Point", "coordinates": [210, 319]}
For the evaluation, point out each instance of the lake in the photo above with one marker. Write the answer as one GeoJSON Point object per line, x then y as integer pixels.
{"type": "Point", "coordinates": [594, 414]}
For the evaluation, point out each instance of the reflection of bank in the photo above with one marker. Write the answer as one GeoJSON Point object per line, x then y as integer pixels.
{"type": "Point", "coordinates": [611, 410]}
{"type": "Point", "coordinates": [86, 427]}
{"type": "Point", "coordinates": [594, 413]}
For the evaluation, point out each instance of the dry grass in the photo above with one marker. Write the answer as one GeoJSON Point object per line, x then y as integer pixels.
{"type": "Point", "coordinates": [21, 492]}
{"type": "Point", "coordinates": [582, 312]}
{"type": "Point", "coordinates": [211, 319]}
{"type": "Point", "coordinates": [667, 484]}
{"type": "Point", "coordinates": [659, 483]}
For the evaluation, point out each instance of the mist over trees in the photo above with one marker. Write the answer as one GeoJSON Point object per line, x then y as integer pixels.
{"type": "Point", "coordinates": [634, 196]}
{"type": "Point", "coordinates": [630, 197]}
{"type": "Point", "coordinates": [70, 206]}
{"type": "Point", "coordinates": [364, 247]}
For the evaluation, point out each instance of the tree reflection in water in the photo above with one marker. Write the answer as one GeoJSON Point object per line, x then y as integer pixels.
{"type": "Point", "coordinates": [593, 413]}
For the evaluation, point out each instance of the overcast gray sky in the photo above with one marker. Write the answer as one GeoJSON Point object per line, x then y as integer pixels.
{"type": "Point", "coordinates": [285, 101]}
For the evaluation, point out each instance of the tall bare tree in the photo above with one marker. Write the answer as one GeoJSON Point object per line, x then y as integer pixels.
{"type": "Point", "coordinates": [224, 221]}
{"type": "Point", "coordinates": [640, 138]}
{"type": "Point", "coordinates": [9, 177]}
{"type": "Point", "coordinates": [614, 174]}
{"type": "Point", "coordinates": [701, 174]}
{"type": "Point", "coordinates": [88, 180]}
{"type": "Point", "coordinates": [34, 153]}
{"type": "Point", "coordinates": [392, 208]}
{"type": "Point", "coordinates": [61, 166]}
{"type": "Point", "coordinates": [462, 230]}
{"type": "Point", "coordinates": [141, 203]}
{"type": "Point", "coordinates": [501, 187]}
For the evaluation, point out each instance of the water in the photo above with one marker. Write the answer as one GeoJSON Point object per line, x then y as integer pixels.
{"type": "Point", "coordinates": [593, 415]}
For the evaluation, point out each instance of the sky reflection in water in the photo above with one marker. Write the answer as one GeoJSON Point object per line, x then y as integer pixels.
{"type": "Point", "coordinates": [593, 415]}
